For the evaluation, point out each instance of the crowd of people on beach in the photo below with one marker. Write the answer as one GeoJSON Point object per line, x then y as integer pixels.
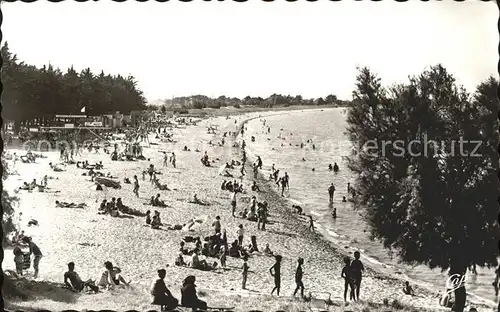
{"type": "Point", "coordinates": [194, 252]}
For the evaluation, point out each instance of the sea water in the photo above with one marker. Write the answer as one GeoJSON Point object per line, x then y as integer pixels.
{"type": "Point", "coordinates": [325, 128]}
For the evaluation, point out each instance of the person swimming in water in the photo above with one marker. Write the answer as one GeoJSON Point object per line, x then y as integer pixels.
{"type": "Point", "coordinates": [331, 192]}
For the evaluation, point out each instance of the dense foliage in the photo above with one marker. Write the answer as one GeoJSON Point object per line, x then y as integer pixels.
{"type": "Point", "coordinates": [30, 92]}
{"type": "Point", "coordinates": [202, 101]}
{"type": "Point", "coordinates": [433, 204]}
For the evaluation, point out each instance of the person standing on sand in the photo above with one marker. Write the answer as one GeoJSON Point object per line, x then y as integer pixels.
{"type": "Point", "coordinates": [161, 294]}
{"type": "Point", "coordinates": [34, 250]}
{"type": "Point", "coordinates": [172, 159]}
{"type": "Point", "coordinates": [233, 202]}
{"type": "Point", "coordinates": [165, 159]}
{"type": "Point", "coordinates": [311, 224]}
{"type": "Point", "coordinates": [331, 192]}
{"type": "Point", "coordinates": [298, 278]}
{"type": "Point", "coordinates": [244, 272]}
{"type": "Point", "coordinates": [217, 225]}
{"type": "Point", "coordinates": [136, 186]}
{"type": "Point", "coordinates": [356, 269]}
{"type": "Point", "coordinates": [275, 271]}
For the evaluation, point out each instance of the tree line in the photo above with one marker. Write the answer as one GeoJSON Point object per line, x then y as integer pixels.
{"type": "Point", "coordinates": [203, 101]}
{"type": "Point", "coordinates": [433, 204]}
{"type": "Point", "coordinates": [30, 92]}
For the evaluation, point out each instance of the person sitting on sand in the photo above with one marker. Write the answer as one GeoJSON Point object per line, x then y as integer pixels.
{"type": "Point", "coordinates": [234, 250]}
{"type": "Point", "coordinates": [253, 245]}
{"type": "Point", "coordinates": [196, 263]}
{"type": "Point", "coordinates": [330, 167]}
{"type": "Point", "coordinates": [73, 281]}
{"type": "Point", "coordinates": [160, 293]}
{"type": "Point", "coordinates": [161, 187]}
{"type": "Point", "coordinates": [148, 217]}
{"type": "Point", "coordinates": [297, 209]}
{"type": "Point", "coordinates": [158, 202]}
{"type": "Point", "coordinates": [18, 260]}
{"type": "Point", "coordinates": [179, 261]}
{"type": "Point", "coordinates": [408, 290]}
{"type": "Point", "coordinates": [344, 200]}
{"type": "Point", "coordinates": [69, 205]}
{"type": "Point", "coordinates": [255, 187]}
{"type": "Point", "coordinates": [189, 298]}
{"type": "Point", "coordinates": [156, 222]}
{"type": "Point", "coordinates": [267, 251]}
{"type": "Point", "coordinates": [111, 277]}
{"type": "Point", "coordinates": [197, 201]}
{"type": "Point", "coordinates": [223, 185]}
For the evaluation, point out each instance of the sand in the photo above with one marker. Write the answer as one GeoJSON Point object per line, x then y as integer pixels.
{"type": "Point", "coordinates": [88, 239]}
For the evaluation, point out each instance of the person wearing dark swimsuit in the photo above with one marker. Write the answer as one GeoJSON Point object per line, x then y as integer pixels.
{"type": "Point", "coordinates": [298, 278]}
{"type": "Point", "coordinates": [275, 271]}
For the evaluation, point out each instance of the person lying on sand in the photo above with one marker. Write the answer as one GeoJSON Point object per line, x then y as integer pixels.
{"type": "Point", "coordinates": [111, 277]}
{"type": "Point", "coordinates": [69, 205]}
{"type": "Point", "coordinates": [408, 290]}
{"type": "Point", "coordinates": [127, 210]}
{"type": "Point", "coordinates": [197, 201]}
{"type": "Point", "coordinates": [55, 167]}
{"type": "Point", "coordinates": [73, 281]}
{"type": "Point", "coordinates": [267, 251]}
{"type": "Point", "coordinates": [255, 187]}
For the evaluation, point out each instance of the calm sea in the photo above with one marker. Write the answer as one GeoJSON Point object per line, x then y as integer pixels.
{"type": "Point", "coordinates": [325, 129]}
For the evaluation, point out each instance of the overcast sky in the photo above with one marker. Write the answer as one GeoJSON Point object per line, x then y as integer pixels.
{"type": "Point", "coordinates": [257, 48]}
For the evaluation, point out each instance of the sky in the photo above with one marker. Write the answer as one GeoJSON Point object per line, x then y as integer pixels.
{"type": "Point", "coordinates": [257, 48]}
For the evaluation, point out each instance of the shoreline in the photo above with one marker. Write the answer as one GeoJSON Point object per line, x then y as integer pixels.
{"type": "Point", "coordinates": [322, 238]}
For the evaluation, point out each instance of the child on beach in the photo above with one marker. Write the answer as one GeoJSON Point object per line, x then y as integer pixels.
{"type": "Point", "coordinates": [311, 224]}
{"type": "Point", "coordinates": [244, 272]}
{"type": "Point", "coordinates": [348, 281]}
{"type": "Point", "coordinates": [136, 186]}
{"type": "Point", "coordinates": [298, 278]}
{"type": "Point", "coordinates": [275, 271]}
{"type": "Point", "coordinates": [356, 269]}
{"type": "Point", "coordinates": [34, 250]}
{"type": "Point", "coordinates": [240, 233]}
{"type": "Point", "coordinates": [161, 294]}
{"type": "Point", "coordinates": [233, 202]}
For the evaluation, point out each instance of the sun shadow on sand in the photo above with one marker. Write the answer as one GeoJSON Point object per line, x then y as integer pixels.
{"type": "Point", "coordinates": [293, 235]}
{"type": "Point", "coordinates": [29, 290]}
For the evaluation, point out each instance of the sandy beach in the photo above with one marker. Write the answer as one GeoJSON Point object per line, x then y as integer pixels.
{"type": "Point", "coordinates": [89, 239]}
